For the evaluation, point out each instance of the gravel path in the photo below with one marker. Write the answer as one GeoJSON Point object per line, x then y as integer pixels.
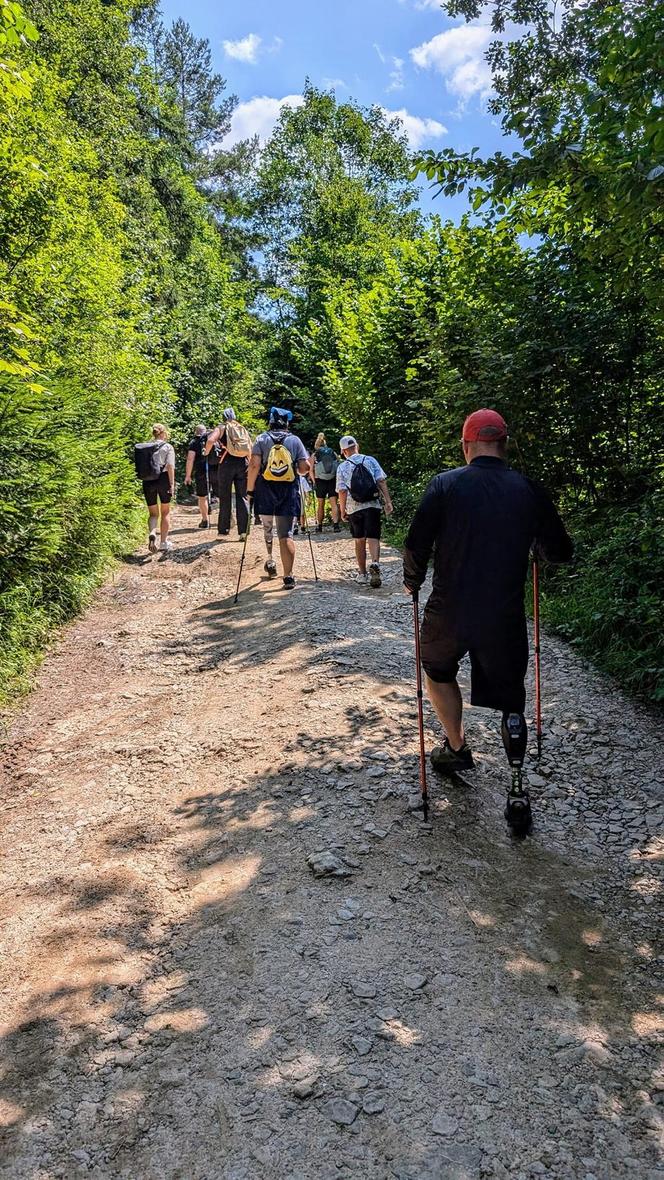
{"type": "Point", "coordinates": [182, 998]}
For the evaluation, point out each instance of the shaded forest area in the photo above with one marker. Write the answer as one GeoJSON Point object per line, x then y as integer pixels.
{"type": "Point", "coordinates": [148, 272]}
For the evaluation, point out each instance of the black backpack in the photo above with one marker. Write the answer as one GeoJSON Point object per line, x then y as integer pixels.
{"type": "Point", "coordinates": [147, 460]}
{"type": "Point", "coordinates": [363, 487]}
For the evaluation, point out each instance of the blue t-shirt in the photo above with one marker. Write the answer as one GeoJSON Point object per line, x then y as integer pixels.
{"type": "Point", "coordinates": [278, 499]}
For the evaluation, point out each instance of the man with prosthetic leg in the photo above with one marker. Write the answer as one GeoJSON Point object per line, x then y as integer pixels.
{"type": "Point", "coordinates": [480, 522]}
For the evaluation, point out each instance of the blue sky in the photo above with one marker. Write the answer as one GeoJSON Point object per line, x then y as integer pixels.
{"type": "Point", "coordinates": [403, 55]}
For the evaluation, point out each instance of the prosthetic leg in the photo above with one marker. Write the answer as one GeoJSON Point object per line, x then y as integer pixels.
{"type": "Point", "coordinates": [515, 741]}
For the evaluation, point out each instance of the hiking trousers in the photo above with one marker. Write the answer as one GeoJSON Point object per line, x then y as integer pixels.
{"type": "Point", "coordinates": [232, 474]}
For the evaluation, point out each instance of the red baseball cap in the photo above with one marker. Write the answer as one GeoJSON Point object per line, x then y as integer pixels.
{"type": "Point", "coordinates": [484, 426]}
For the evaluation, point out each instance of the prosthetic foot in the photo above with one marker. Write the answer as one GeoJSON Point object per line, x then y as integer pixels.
{"type": "Point", "coordinates": [515, 740]}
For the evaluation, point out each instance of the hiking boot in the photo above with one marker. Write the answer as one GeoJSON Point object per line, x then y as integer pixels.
{"type": "Point", "coordinates": [270, 568]}
{"type": "Point", "coordinates": [152, 543]}
{"type": "Point", "coordinates": [204, 524]}
{"type": "Point", "coordinates": [448, 761]}
{"type": "Point", "coordinates": [166, 546]}
{"type": "Point", "coordinates": [375, 579]}
{"type": "Point", "coordinates": [319, 528]}
{"type": "Point", "coordinates": [289, 582]}
{"type": "Point", "coordinates": [336, 528]}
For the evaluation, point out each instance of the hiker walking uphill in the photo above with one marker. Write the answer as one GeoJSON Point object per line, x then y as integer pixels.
{"type": "Point", "coordinates": [361, 482]}
{"type": "Point", "coordinates": [235, 443]}
{"type": "Point", "coordinates": [197, 472]}
{"type": "Point", "coordinates": [278, 458]}
{"type": "Point", "coordinates": [155, 467]}
{"type": "Point", "coordinates": [324, 466]}
{"type": "Point", "coordinates": [480, 521]}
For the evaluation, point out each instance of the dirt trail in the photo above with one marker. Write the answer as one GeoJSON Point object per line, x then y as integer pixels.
{"type": "Point", "coordinates": [182, 998]}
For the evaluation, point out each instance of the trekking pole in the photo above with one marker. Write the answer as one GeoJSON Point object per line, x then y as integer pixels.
{"type": "Point", "coordinates": [207, 484]}
{"type": "Point", "coordinates": [244, 550]}
{"type": "Point", "coordinates": [311, 546]}
{"type": "Point", "coordinates": [305, 519]}
{"type": "Point", "coordinates": [538, 659]}
{"type": "Point", "coordinates": [420, 709]}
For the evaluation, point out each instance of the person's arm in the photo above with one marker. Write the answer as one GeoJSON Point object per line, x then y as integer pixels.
{"type": "Point", "coordinates": [212, 438]}
{"type": "Point", "coordinates": [342, 491]}
{"type": "Point", "coordinates": [552, 541]}
{"type": "Point", "coordinates": [303, 466]}
{"type": "Point", "coordinates": [385, 493]}
{"type": "Point", "coordinates": [253, 473]}
{"type": "Point", "coordinates": [170, 468]}
{"type": "Point", "coordinates": [191, 459]}
{"type": "Point", "coordinates": [421, 537]}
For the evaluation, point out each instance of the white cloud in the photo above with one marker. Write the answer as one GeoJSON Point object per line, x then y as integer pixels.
{"type": "Point", "coordinates": [334, 84]}
{"type": "Point", "coordinates": [417, 130]}
{"type": "Point", "coordinates": [258, 117]}
{"type": "Point", "coordinates": [458, 54]}
{"type": "Point", "coordinates": [250, 48]}
{"type": "Point", "coordinates": [396, 75]}
{"type": "Point", "coordinates": [246, 50]}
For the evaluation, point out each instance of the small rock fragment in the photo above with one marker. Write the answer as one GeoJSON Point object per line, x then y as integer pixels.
{"type": "Point", "coordinates": [373, 1104]}
{"type": "Point", "coordinates": [341, 1111]}
{"type": "Point", "coordinates": [364, 991]}
{"type": "Point", "coordinates": [415, 981]}
{"type": "Point", "coordinates": [362, 1045]}
{"type": "Point", "coordinates": [325, 864]}
{"type": "Point", "coordinates": [443, 1124]}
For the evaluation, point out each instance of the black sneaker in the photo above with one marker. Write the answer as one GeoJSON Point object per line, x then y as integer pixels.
{"type": "Point", "coordinates": [270, 568]}
{"type": "Point", "coordinates": [375, 580]}
{"type": "Point", "coordinates": [336, 528]}
{"type": "Point", "coordinates": [289, 582]}
{"type": "Point", "coordinates": [204, 524]}
{"type": "Point", "coordinates": [319, 528]}
{"type": "Point", "coordinates": [223, 532]}
{"type": "Point", "coordinates": [448, 761]}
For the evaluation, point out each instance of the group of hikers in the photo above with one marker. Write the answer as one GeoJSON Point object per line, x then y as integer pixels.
{"type": "Point", "coordinates": [480, 521]}
{"type": "Point", "coordinates": [272, 476]}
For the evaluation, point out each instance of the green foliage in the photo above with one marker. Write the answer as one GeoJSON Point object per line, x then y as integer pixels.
{"type": "Point", "coordinates": [121, 299]}
{"type": "Point", "coordinates": [611, 606]}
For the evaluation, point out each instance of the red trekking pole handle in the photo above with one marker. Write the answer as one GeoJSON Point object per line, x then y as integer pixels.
{"type": "Point", "coordinates": [538, 657]}
{"type": "Point", "coordinates": [420, 708]}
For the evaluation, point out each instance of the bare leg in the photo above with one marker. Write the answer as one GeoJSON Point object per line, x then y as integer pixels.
{"type": "Point", "coordinates": [334, 510]}
{"type": "Point", "coordinates": [374, 549]}
{"type": "Point", "coordinates": [361, 555]}
{"type": "Point", "coordinates": [165, 522]}
{"type": "Point", "coordinates": [287, 551]}
{"type": "Point", "coordinates": [320, 510]}
{"type": "Point", "coordinates": [203, 507]}
{"type": "Point", "coordinates": [446, 700]}
{"type": "Point", "coordinates": [153, 519]}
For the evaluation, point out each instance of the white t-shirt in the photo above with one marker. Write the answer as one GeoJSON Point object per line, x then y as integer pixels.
{"type": "Point", "coordinates": [344, 474]}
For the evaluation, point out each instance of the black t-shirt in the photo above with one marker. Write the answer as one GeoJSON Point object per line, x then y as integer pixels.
{"type": "Point", "coordinates": [480, 521]}
{"type": "Point", "coordinates": [196, 445]}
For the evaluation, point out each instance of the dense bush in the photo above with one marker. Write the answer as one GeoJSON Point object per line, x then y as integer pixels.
{"type": "Point", "coordinates": [610, 604]}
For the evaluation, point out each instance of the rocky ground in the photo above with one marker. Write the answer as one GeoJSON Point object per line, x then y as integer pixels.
{"type": "Point", "coordinates": [183, 997]}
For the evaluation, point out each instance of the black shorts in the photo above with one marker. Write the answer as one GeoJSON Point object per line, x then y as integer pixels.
{"type": "Point", "coordinates": [154, 489]}
{"type": "Point", "coordinates": [498, 661]}
{"type": "Point", "coordinates": [365, 523]}
{"type": "Point", "coordinates": [202, 486]}
{"type": "Point", "coordinates": [326, 487]}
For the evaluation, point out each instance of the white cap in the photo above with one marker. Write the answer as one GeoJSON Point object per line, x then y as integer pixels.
{"type": "Point", "coordinates": [346, 442]}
